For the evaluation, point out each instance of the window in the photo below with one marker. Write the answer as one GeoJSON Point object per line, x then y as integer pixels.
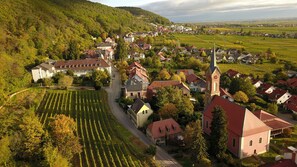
{"type": "Point", "coordinates": [251, 142]}
{"type": "Point", "coordinates": [260, 140]}
{"type": "Point", "coordinates": [142, 112]}
{"type": "Point", "coordinates": [146, 111]}
{"type": "Point", "coordinates": [233, 142]}
{"type": "Point", "coordinates": [131, 94]}
{"type": "Point", "coordinates": [206, 124]}
{"type": "Point", "coordinates": [215, 86]}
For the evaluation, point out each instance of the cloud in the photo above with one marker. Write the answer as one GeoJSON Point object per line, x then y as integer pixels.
{"type": "Point", "coordinates": [223, 10]}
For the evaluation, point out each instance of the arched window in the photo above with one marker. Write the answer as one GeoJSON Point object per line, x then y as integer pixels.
{"type": "Point", "coordinates": [251, 142]}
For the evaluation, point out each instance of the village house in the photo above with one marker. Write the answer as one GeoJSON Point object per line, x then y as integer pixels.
{"type": "Point", "coordinates": [291, 104]}
{"type": "Point", "coordinates": [276, 124]}
{"type": "Point", "coordinates": [137, 83]}
{"type": "Point", "coordinates": [196, 83]}
{"type": "Point", "coordinates": [44, 70]}
{"type": "Point", "coordinates": [226, 95]}
{"type": "Point", "coordinates": [155, 85]}
{"type": "Point", "coordinates": [257, 83]}
{"type": "Point", "coordinates": [247, 134]}
{"type": "Point", "coordinates": [279, 96]}
{"type": "Point", "coordinates": [161, 131]}
{"type": "Point", "coordinates": [265, 89]}
{"type": "Point", "coordinates": [233, 74]}
{"type": "Point", "coordinates": [139, 113]}
{"type": "Point", "coordinates": [129, 38]}
{"type": "Point", "coordinates": [105, 46]}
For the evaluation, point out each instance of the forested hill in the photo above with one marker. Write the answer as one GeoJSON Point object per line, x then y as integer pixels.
{"type": "Point", "coordinates": [32, 30]}
{"type": "Point", "coordinates": [146, 15]}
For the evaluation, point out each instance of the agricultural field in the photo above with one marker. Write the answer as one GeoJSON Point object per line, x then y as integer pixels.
{"type": "Point", "coordinates": [105, 143]}
{"type": "Point", "coordinates": [285, 49]}
{"type": "Point", "coordinates": [269, 30]}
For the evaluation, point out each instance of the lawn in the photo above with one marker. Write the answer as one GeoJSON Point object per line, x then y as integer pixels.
{"type": "Point", "coordinates": [285, 49]}
{"type": "Point", "coordinates": [105, 142]}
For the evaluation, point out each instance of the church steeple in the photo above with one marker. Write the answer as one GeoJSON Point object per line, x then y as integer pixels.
{"type": "Point", "coordinates": [212, 79]}
{"type": "Point", "coordinates": [213, 62]}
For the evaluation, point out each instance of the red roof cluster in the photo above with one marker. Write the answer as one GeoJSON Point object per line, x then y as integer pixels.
{"type": "Point", "coordinates": [263, 88]}
{"type": "Point", "coordinates": [192, 78]}
{"type": "Point", "coordinates": [85, 64]}
{"type": "Point", "coordinates": [292, 82]}
{"type": "Point", "coordinates": [164, 127]}
{"type": "Point", "coordinates": [136, 65]}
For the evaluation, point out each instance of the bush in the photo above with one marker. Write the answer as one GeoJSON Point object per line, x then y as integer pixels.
{"type": "Point", "coordinates": [287, 132]}
{"type": "Point", "coordinates": [151, 150]}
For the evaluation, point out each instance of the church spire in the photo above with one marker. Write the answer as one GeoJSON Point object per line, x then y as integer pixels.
{"type": "Point", "coordinates": [213, 61]}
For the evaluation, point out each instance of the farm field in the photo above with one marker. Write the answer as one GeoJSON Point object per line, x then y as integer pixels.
{"type": "Point", "coordinates": [285, 49]}
{"type": "Point", "coordinates": [270, 30]}
{"type": "Point", "coordinates": [105, 143]}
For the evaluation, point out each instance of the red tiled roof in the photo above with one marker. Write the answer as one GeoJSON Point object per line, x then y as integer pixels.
{"type": "Point", "coordinates": [136, 65]}
{"type": "Point", "coordinates": [158, 84]}
{"type": "Point", "coordinates": [291, 103]}
{"type": "Point", "coordinates": [186, 71]}
{"type": "Point", "coordinates": [240, 120]}
{"type": "Point", "coordinates": [192, 78]}
{"type": "Point", "coordinates": [164, 127]}
{"type": "Point", "coordinates": [263, 88]}
{"type": "Point", "coordinates": [231, 73]}
{"type": "Point", "coordinates": [276, 94]}
{"type": "Point", "coordinates": [142, 74]}
{"type": "Point", "coordinates": [272, 121]}
{"type": "Point", "coordinates": [85, 64]}
{"type": "Point", "coordinates": [254, 81]}
{"type": "Point", "coordinates": [281, 163]}
{"type": "Point", "coordinates": [292, 82]}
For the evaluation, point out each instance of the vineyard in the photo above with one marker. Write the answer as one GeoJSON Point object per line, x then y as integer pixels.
{"type": "Point", "coordinates": [101, 135]}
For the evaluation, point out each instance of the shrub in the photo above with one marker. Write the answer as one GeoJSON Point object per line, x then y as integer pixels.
{"type": "Point", "coordinates": [287, 132]}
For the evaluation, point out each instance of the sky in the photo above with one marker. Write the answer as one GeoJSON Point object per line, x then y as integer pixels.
{"type": "Point", "coordinates": [182, 11]}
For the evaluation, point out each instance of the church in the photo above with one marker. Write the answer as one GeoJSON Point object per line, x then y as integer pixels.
{"type": "Point", "coordinates": [247, 134]}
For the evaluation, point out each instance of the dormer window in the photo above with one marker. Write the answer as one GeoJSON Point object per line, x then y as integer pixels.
{"type": "Point", "coordinates": [160, 130]}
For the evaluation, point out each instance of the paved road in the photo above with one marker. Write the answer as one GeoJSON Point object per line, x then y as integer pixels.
{"type": "Point", "coordinates": [162, 157]}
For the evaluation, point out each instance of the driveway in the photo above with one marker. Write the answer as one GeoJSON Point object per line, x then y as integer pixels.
{"type": "Point", "coordinates": [162, 157]}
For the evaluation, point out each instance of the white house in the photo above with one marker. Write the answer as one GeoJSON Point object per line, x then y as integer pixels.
{"type": "Point", "coordinates": [279, 96]}
{"type": "Point", "coordinates": [44, 70]}
{"type": "Point", "coordinates": [257, 83]}
{"type": "Point", "coordinates": [139, 113]}
{"type": "Point", "coordinates": [129, 38]}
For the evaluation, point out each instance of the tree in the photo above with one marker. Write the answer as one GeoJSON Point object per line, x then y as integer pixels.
{"type": "Point", "coordinates": [5, 153]}
{"type": "Point", "coordinates": [225, 81]}
{"type": "Point", "coordinates": [169, 110]}
{"type": "Point", "coordinates": [272, 108]}
{"type": "Point", "coordinates": [219, 133]}
{"type": "Point", "coordinates": [199, 145]}
{"type": "Point", "coordinates": [100, 78]}
{"type": "Point", "coordinates": [65, 81]}
{"type": "Point", "coordinates": [62, 130]}
{"type": "Point", "coordinates": [53, 158]}
{"type": "Point", "coordinates": [122, 50]}
{"type": "Point", "coordinates": [241, 97]}
{"type": "Point", "coordinates": [27, 141]}
{"type": "Point", "coordinates": [268, 77]}
{"type": "Point", "coordinates": [164, 74]}
{"type": "Point", "coordinates": [182, 76]}
{"type": "Point", "coordinates": [47, 82]}
{"type": "Point", "coordinates": [73, 51]}
{"type": "Point", "coordinates": [175, 77]}
{"type": "Point", "coordinates": [244, 85]}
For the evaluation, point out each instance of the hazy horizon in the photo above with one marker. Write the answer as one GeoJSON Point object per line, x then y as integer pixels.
{"type": "Point", "coordinates": [193, 11]}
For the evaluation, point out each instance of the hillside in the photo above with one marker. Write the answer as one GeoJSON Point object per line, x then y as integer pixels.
{"type": "Point", "coordinates": [34, 30]}
{"type": "Point", "coordinates": [146, 15]}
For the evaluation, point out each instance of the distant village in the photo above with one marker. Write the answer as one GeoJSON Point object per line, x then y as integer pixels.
{"type": "Point", "coordinates": [249, 132]}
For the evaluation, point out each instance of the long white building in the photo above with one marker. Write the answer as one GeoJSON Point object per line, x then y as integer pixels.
{"type": "Point", "coordinates": [79, 68]}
